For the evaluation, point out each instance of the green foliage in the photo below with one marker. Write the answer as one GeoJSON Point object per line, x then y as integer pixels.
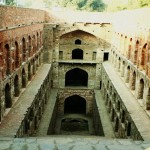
{"type": "Point", "coordinates": [89, 5]}
{"type": "Point", "coordinates": [10, 2]}
{"type": "Point", "coordinates": [117, 5]}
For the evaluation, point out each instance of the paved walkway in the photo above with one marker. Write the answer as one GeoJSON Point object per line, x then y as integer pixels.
{"type": "Point", "coordinates": [13, 119]}
{"type": "Point", "coordinates": [138, 115]}
{"type": "Point", "coordinates": [71, 143]}
{"type": "Point", "coordinates": [105, 120]}
{"type": "Point", "coordinates": [47, 115]}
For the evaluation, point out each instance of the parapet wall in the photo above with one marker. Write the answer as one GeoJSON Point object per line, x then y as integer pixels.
{"type": "Point", "coordinates": [15, 16]}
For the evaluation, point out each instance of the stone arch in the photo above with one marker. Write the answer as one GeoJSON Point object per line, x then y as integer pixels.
{"type": "Point", "coordinates": [17, 57]}
{"type": "Point", "coordinates": [75, 104]}
{"type": "Point", "coordinates": [8, 100]}
{"type": "Point", "coordinates": [29, 46]}
{"type": "Point", "coordinates": [37, 35]}
{"type": "Point", "coordinates": [23, 78]}
{"type": "Point", "coordinates": [113, 115]}
{"type": "Point", "coordinates": [118, 105]}
{"type": "Point", "coordinates": [34, 66]}
{"type": "Point", "coordinates": [77, 54]}
{"type": "Point", "coordinates": [148, 99]}
{"type": "Point", "coordinates": [78, 41]}
{"type": "Point", "coordinates": [76, 77]}
{"type": "Point", "coordinates": [141, 89]}
{"type": "Point", "coordinates": [16, 86]}
{"type": "Point", "coordinates": [110, 91]}
{"type": "Point", "coordinates": [8, 63]}
{"type": "Point", "coordinates": [34, 43]}
{"type": "Point", "coordinates": [130, 48]}
{"type": "Point", "coordinates": [29, 72]}
{"type": "Point", "coordinates": [109, 106]}
{"type": "Point", "coordinates": [136, 52]}
{"type": "Point", "coordinates": [123, 116]}
{"type": "Point", "coordinates": [41, 38]}
{"type": "Point", "coordinates": [133, 81]}
{"type": "Point", "coordinates": [122, 68]}
{"type": "Point", "coordinates": [119, 64]}
{"type": "Point", "coordinates": [114, 97]}
{"type": "Point", "coordinates": [107, 99]}
{"type": "Point", "coordinates": [143, 55]}
{"type": "Point", "coordinates": [116, 124]}
{"type": "Point", "coordinates": [23, 49]}
{"type": "Point", "coordinates": [129, 129]}
{"type": "Point", "coordinates": [127, 74]}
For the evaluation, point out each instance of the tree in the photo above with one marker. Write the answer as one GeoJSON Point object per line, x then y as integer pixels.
{"type": "Point", "coordinates": [89, 5]}
{"type": "Point", "coordinates": [10, 2]}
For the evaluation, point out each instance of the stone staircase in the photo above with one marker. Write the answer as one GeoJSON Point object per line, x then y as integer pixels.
{"type": "Point", "coordinates": [71, 143]}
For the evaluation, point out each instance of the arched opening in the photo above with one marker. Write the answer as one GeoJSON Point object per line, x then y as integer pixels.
{"type": "Point", "coordinates": [133, 81]}
{"type": "Point", "coordinates": [118, 105]}
{"type": "Point", "coordinates": [116, 125]}
{"type": "Point", "coordinates": [29, 72]}
{"type": "Point", "coordinates": [123, 116]}
{"type": "Point", "coordinates": [8, 63]}
{"type": "Point", "coordinates": [119, 64]}
{"type": "Point", "coordinates": [107, 99]}
{"type": "Point", "coordinates": [23, 78]}
{"type": "Point", "coordinates": [37, 40]}
{"type": "Point", "coordinates": [128, 74]}
{"type": "Point", "coordinates": [34, 43]}
{"type": "Point", "coordinates": [34, 68]}
{"type": "Point", "coordinates": [35, 123]}
{"type": "Point", "coordinates": [16, 86]}
{"type": "Point", "coordinates": [130, 49]}
{"type": "Point", "coordinates": [78, 42]}
{"type": "Point", "coordinates": [114, 97]}
{"type": "Point", "coordinates": [129, 129]}
{"type": "Point", "coordinates": [136, 52]}
{"type": "Point", "coordinates": [77, 54]}
{"type": "Point", "coordinates": [143, 55]}
{"type": "Point", "coordinates": [112, 115]}
{"type": "Point", "coordinates": [76, 77]}
{"type": "Point", "coordinates": [75, 105]}
{"type": "Point", "coordinates": [141, 89]}
{"type": "Point", "coordinates": [23, 49]}
{"type": "Point", "coordinates": [26, 126]}
{"type": "Point", "coordinates": [17, 58]}
{"type": "Point", "coordinates": [109, 107]}
{"type": "Point", "coordinates": [8, 101]}
{"type": "Point", "coordinates": [148, 100]}
{"type": "Point", "coordinates": [30, 46]}
{"type": "Point", "coordinates": [122, 69]}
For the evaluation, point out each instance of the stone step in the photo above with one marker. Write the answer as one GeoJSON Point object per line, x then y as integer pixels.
{"type": "Point", "coordinates": [72, 143]}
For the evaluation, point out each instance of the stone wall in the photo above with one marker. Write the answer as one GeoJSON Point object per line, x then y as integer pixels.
{"type": "Point", "coordinates": [65, 93]}
{"type": "Point", "coordinates": [123, 124]}
{"type": "Point", "coordinates": [21, 46]}
{"type": "Point", "coordinates": [60, 41]}
{"type": "Point", "coordinates": [15, 16]}
{"type": "Point", "coordinates": [32, 118]}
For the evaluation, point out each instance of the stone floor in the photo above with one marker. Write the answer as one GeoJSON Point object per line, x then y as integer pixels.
{"type": "Point", "coordinates": [75, 116]}
{"type": "Point", "coordinates": [46, 117]}
{"type": "Point", "coordinates": [72, 143]}
{"type": "Point", "coordinates": [105, 120]}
